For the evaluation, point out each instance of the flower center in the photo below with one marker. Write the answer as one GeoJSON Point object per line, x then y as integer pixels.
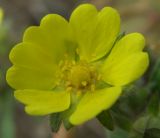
{"type": "Point", "coordinates": [79, 76]}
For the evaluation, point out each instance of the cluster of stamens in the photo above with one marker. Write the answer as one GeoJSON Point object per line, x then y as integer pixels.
{"type": "Point", "coordinates": [78, 76]}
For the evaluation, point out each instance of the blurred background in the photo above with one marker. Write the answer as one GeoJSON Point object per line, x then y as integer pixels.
{"type": "Point", "coordinates": [135, 115]}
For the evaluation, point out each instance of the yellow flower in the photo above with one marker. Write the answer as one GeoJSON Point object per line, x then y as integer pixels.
{"type": "Point", "coordinates": [61, 63]}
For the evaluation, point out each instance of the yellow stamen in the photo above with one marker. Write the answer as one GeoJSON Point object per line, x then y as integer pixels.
{"type": "Point", "coordinates": [80, 76]}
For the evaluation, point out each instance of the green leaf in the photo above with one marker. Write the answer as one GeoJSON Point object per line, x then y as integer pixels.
{"type": "Point", "coordinates": [153, 107]}
{"type": "Point", "coordinates": [106, 120]}
{"type": "Point", "coordinates": [55, 121]}
{"type": "Point", "coordinates": [152, 133]}
{"type": "Point", "coordinates": [139, 127]}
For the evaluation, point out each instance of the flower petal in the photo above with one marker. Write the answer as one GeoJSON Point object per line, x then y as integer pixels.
{"type": "Point", "coordinates": [43, 102]}
{"type": "Point", "coordinates": [128, 45]}
{"type": "Point", "coordinates": [36, 59]}
{"type": "Point", "coordinates": [33, 68]}
{"type": "Point", "coordinates": [53, 36]}
{"type": "Point", "coordinates": [126, 61]}
{"type": "Point", "coordinates": [95, 32]}
{"type": "Point", "coordinates": [93, 103]}
{"type": "Point", "coordinates": [31, 56]}
{"type": "Point", "coordinates": [30, 78]}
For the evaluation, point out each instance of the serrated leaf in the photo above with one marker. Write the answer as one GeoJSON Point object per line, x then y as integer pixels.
{"type": "Point", "coordinates": [55, 122]}
{"type": "Point", "coordinates": [106, 120]}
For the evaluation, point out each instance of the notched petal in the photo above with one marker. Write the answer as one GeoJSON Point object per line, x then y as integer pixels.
{"type": "Point", "coordinates": [40, 102]}
{"type": "Point", "coordinates": [95, 32]}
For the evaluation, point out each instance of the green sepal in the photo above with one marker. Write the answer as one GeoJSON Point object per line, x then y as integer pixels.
{"type": "Point", "coordinates": [55, 121]}
{"type": "Point", "coordinates": [102, 85]}
{"type": "Point", "coordinates": [67, 124]}
{"type": "Point", "coordinates": [66, 114]}
{"type": "Point", "coordinates": [106, 120]}
{"type": "Point", "coordinates": [121, 35]}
